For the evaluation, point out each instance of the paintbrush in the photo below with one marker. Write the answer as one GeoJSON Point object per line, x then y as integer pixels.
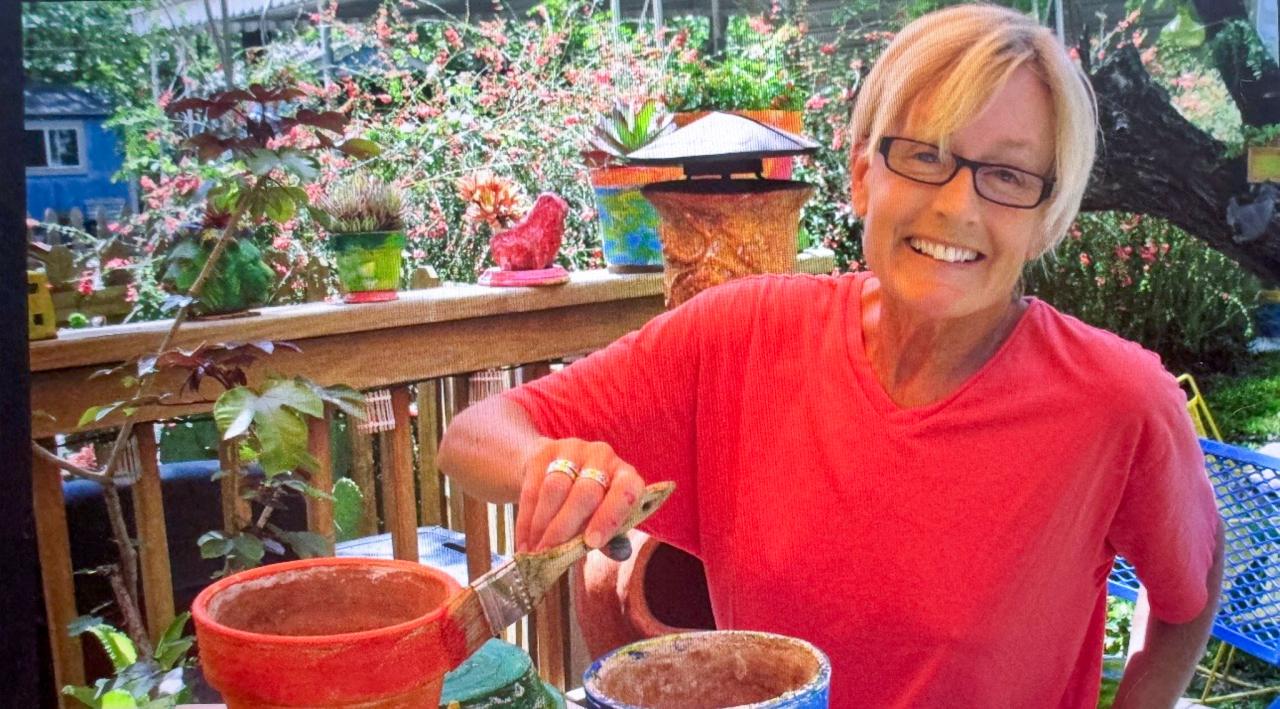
{"type": "Point", "coordinates": [509, 592]}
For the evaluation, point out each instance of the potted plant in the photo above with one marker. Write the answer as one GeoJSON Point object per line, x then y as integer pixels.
{"type": "Point", "coordinates": [364, 219]}
{"type": "Point", "coordinates": [240, 280]}
{"type": "Point", "coordinates": [628, 223]}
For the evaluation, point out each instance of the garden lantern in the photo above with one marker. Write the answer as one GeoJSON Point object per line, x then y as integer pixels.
{"type": "Point", "coordinates": [715, 226]}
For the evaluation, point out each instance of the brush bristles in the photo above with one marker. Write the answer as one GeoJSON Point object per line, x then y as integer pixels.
{"type": "Point", "coordinates": [466, 613]}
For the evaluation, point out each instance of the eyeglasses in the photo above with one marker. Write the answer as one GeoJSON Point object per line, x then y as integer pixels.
{"type": "Point", "coordinates": [1002, 184]}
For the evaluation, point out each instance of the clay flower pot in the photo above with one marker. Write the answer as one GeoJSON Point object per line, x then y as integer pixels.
{"type": "Point", "coordinates": [369, 265]}
{"type": "Point", "coordinates": [332, 632]}
{"type": "Point", "coordinates": [711, 669]}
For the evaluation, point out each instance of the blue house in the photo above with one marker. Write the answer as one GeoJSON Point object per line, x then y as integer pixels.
{"type": "Point", "coordinates": [70, 154]}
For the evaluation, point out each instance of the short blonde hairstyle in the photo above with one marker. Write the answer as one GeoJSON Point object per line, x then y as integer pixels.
{"type": "Point", "coordinates": [960, 57]}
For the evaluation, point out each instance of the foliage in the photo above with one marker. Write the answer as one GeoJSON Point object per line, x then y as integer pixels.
{"type": "Point", "coordinates": [1151, 283]}
{"type": "Point", "coordinates": [240, 280]}
{"type": "Point", "coordinates": [348, 509]}
{"type": "Point", "coordinates": [631, 125]}
{"type": "Point", "coordinates": [362, 203]}
{"type": "Point", "coordinates": [752, 73]}
{"type": "Point", "coordinates": [78, 44]}
{"type": "Point", "coordinates": [138, 682]}
{"type": "Point", "coordinates": [1246, 405]}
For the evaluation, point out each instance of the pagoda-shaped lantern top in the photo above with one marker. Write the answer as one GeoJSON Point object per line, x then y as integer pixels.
{"type": "Point", "coordinates": [722, 144]}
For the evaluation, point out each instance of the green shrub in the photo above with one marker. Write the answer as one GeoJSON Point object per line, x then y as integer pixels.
{"type": "Point", "coordinates": [1152, 283]}
{"type": "Point", "coordinates": [1246, 405]}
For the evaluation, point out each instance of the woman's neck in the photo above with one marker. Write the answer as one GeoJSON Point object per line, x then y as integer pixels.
{"type": "Point", "coordinates": [919, 359]}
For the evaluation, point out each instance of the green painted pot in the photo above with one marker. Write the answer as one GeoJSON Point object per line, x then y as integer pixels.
{"type": "Point", "coordinates": [369, 265]}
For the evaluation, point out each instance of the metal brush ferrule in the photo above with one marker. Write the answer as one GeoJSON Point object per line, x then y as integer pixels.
{"type": "Point", "coordinates": [504, 596]}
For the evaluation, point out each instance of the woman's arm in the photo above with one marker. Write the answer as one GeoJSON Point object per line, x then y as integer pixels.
{"type": "Point", "coordinates": [1163, 656]}
{"type": "Point", "coordinates": [485, 448]}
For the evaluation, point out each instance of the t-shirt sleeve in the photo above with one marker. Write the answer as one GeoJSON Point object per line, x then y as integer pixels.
{"type": "Point", "coordinates": [638, 395]}
{"type": "Point", "coordinates": [1167, 520]}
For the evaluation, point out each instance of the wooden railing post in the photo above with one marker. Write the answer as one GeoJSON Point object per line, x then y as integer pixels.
{"type": "Point", "coordinates": [153, 536]}
{"type": "Point", "coordinates": [397, 479]}
{"type": "Point", "coordinates": [459, 392]}
{"type": "Point", "coordinates": [319, 510]}
{"type": "Point", "coordinates": [431, 509]}
{"type": "Point", "coordinates": [54, 545]}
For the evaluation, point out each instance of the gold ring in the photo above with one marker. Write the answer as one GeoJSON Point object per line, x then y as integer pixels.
{"type": "Point", "coordinates": [562, 465]}
{"type": "Point", "coordinates": [595, 475]}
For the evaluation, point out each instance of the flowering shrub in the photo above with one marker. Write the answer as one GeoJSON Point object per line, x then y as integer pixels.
{"type": "Point", "coordinates": [1152, 283]}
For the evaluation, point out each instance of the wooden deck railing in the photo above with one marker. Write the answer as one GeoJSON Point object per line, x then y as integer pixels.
{"type": "Point", "coordinates": [427, 347]}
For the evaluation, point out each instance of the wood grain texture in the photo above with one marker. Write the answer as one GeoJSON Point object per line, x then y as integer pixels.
{"type": "Point", "coordinates": [153, 537]}
{"type": "Point", "coordinates": [397, 479]}
{"type": "Point", "coordinates": [320, 511]}
{"type": "Point", "coordinates": [459, 389]}
{"type": "Point", "coordinates": [56, 574]}
{"type": "Point", "coordinates": [430, 488]}
{"type": "Point", "coordinates": [552, 630]}
{"type": "Point", "coordinates": [476, 520]}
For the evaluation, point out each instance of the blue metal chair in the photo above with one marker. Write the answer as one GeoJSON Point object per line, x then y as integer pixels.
{"type": "Point", "coordinates": [1247, 485]}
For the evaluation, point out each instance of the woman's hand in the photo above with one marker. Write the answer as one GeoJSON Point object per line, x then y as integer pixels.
{"type": "Point", "coordinates": [572, 487]}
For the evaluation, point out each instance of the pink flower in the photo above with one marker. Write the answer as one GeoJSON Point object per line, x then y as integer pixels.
{"type": "Point", "coordinates": [828, 49]}
{"type": "Point", "coordinates": [147, 183]}
{"type": "Point", "coordinates": [760, 25]}
{"type": "Point", "coordinates": [1084, 259]}
{"type": "Point", "coordinates": [1124, 252]}
{"type": "Point", "coordinates": [816, 103]}
{"type": "Point", "coordinates": [115, 263]}
{"type": "Point", "coordinates": [86, 458]}
{"type": "Point", "coordinates": [85, 285]}
{"type": "Point", "coordinates": [281, 243]}
{"type": "Point", "coordinates": [419, 254]}
{"type": "Point", "coordinates": [131, 293]}
{"type": "Point", "coordinates": [1100, 281]}
{"type": "Point", "coordinates": [451, 36]}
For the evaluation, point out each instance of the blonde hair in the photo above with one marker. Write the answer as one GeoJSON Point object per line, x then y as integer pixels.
{"type": "Point", "coordinates": [960, 57]}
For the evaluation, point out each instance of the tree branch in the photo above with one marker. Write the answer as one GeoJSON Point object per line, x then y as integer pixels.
{"type": "Point", "coordinates": [1256, 90]}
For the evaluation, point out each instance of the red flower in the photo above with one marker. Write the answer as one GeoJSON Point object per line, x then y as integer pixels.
{"type": "Point", "coordinates": [828, 49]}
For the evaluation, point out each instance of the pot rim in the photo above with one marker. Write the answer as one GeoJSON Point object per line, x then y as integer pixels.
{"type": "Point", "coordinates": [203, 619]}
{"type": "Point", "coordinates": [822, 678]}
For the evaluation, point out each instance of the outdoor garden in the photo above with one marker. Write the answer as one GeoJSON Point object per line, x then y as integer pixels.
{"type": "Point", "coordinates": [341, 154]}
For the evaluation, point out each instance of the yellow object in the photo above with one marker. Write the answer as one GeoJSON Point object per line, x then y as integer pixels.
{"type": "Point", "coordinates": [1206, 427]}
{"type": "Point", "coordinates": [42, 321]}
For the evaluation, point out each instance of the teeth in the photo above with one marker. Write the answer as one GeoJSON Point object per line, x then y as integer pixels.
{"type": "Point", "coordinates": [950, 254]}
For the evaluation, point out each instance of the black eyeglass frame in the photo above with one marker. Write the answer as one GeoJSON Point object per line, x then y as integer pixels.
{"type": "Point", "coordinates": [973, 165]}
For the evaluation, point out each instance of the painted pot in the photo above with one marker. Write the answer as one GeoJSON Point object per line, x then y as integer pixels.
{"type": "Point", "coordinates": [332, 632]}
{"type": "Point", "coordinates": [628, 223]}
{"type": "Point", "coordinates": [710, 670]}
{"type": "Point", "coordinates": [502, 675]}
{"type": "Point", "coordinates": [1267, 314]}
{"type": "Point", "coordinates": [369, 265]}
{"type": "Point", "coordinates": [715, 230]}
{"type": "Point", "coordinates": [790, 121]}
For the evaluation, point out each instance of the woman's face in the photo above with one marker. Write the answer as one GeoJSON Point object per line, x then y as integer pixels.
{"type": "Point", "coordinates": [906, 222]}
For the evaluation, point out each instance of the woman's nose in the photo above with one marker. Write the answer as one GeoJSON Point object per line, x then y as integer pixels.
{"type": "Point", "coordinates": [958, 197]}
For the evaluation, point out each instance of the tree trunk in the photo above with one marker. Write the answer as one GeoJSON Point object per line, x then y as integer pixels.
{"type": "Point", "coordinates": [1153, 161]}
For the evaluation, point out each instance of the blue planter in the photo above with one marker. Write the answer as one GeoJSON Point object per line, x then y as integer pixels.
{"type": "Point", "coordinates": [1267, 315]}
{"type": "Point", "coordinates": [628, 230]}
{"type": "Point", "coordinates": [675, 670]}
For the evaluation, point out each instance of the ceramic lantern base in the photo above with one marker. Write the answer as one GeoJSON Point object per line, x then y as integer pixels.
{"type": "Point", "coordinates": [370, 296]}
{"type": "Point", "coordinates": [537, 277]}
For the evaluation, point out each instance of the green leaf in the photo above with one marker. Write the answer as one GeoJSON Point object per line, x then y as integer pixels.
{"type": "Point", "coordinates": [360, 148]}
{"type": "Point", "coordinates": [348, 400]}
{"type": "Point", "coordinates": [249, 548]}
{"type": "Point", "coordinates": [1183, 31]}
{"type": "Point", "coordinates": [118, 699]}
{"type": "Point", "coordinates": [173, 644]}
{"type": "Point", "coordinates": [299, 163]}
{"type": "Point", "coordinates": [348, 508]}
{"type": "Point", "coordinates": [262, 161]}
{"type": "Point", "coordinates": [280, 207]}
{"type": "Point", "coordinates": [214, 545]}
{"type": "Point", "coordinates": [294, 393]}
{"type": "Point", "coordinates": [234, 411]}
{"type": "Point", "coordinates": [87, 696]}
{"type": "Point", "coordinates": [302, 487]}
{"type": "Point", "coordinates": [307, 545]}
{"type": "Point", "coordinates": [118, 646]}
{"type": "Point", "coordinates": [83, 624]}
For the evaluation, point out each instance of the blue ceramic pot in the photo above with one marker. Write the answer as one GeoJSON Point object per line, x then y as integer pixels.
{"type": "Point", "coordinates": [707, 669]}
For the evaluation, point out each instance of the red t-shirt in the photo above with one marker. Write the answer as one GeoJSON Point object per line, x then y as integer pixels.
{"type": "Point", "coordinates": [947, 555]}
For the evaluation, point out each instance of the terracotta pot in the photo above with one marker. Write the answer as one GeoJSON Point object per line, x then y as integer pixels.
{"type": "Point", "coordinates": [714, 230]}
{"type": "Point", "coordinates": [333, 632]}
{"type": "Point", "coordinates": [657, 591]}
{"type": "Point", "coordinates": [790, 121]}
{"type": "Point", "coordinates": [628, 223]}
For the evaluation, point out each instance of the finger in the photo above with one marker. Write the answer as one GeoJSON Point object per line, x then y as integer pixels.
{"type": "Point", "coordinates": [625, 491]}
{"type": "Point", "coordinates": [534, 470]}
{"type": "Point", "coordinates": [584, 497]}
{"type": "Point", "coordinates": [552, 494]}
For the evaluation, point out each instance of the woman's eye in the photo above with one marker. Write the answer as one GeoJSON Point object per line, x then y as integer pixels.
{"type": "Point", "coordinates": [1008, 177]}
{"type": "Point", "coordinates": [925, 156]}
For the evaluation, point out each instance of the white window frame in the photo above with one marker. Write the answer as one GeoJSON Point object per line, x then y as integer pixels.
{"type": "Point", "coordinates": [81, 148]}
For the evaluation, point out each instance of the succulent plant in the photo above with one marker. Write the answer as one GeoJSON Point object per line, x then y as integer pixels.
{"type": "Point", "coordinates": [362, 203]}
{"type": "Point", "coordinates": [630, 126]}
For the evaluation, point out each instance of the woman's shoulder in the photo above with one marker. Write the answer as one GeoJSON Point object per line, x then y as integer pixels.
{"type": "Point", "coordinates": [780, 291]}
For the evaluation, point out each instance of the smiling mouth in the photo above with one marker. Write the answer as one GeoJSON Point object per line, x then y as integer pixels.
{"type": "Point", "coordinates": [942, 252]}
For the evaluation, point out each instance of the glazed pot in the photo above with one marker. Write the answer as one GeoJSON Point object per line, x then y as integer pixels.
{"type": "Point", "coordinates": [628, 223]}
{"type": "Point", "coordinates": [711, 670]}
{"type": "Point", "coordinates": [714, 230]}
{"type": "Point", "coordinates": [332, 632]}
{"type": "Point", "coordinates": [790, 121]}
{"type": "Point", "coordinates": [369, 265]}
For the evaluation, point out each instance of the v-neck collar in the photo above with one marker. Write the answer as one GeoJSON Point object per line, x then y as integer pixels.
{"type": "Point", "coordinates": [860, 363]}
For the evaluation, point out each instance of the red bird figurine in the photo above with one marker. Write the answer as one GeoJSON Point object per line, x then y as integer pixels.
{"type": "Point", "coordinates": [533, 242]}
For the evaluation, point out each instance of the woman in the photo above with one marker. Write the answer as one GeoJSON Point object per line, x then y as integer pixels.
{"type": "Point", "coordinates": [914, 468]}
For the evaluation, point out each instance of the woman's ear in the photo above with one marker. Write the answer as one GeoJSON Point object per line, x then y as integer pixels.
{"type": "Point", "coordinates": [858, 168]}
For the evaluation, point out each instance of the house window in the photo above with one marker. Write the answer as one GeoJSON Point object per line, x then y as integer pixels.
{"type": "Point", "coordinates": [53, 147]}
